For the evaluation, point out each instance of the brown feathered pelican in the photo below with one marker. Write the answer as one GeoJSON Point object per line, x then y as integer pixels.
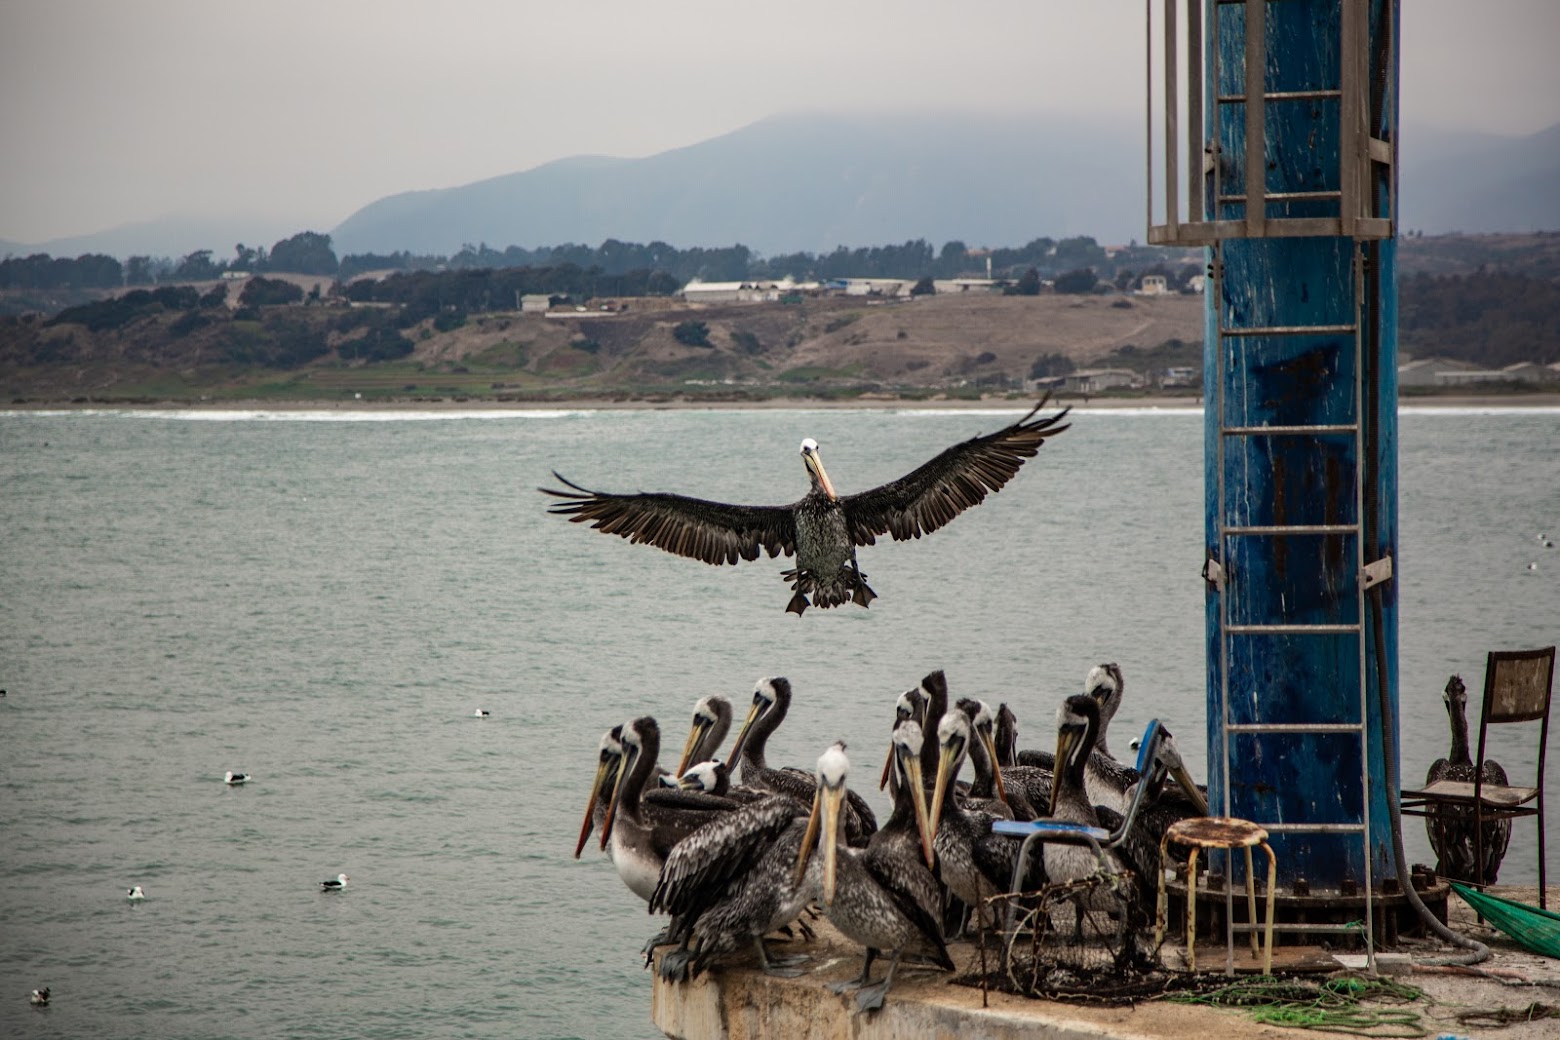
{"type": "Point", "coordinates": [642, 826]}
{"type": "Point", "coordinates": [711, 723]}
{"type": "Point", "coordinates": [822, 529]}
{"type": "Point", "coordinates": [1108, 780]}
{"type": "Point", "coordinates": [883, 897]}
{"type": "Point", "coordinates": [771, 702]}
{"type": "Point", "coordinates": [730, 883]}
{"type": "Point", "coordinates": [1452, 827]}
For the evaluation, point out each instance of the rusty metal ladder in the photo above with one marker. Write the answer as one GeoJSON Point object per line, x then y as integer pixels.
{"type": "Point", "coordinates": [1368, 573]}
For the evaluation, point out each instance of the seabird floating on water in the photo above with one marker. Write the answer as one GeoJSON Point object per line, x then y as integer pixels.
{"type": "Point", "coordinates": [233, 779]}
{"type": "Point", "coordinates": [821, 529]}
{"type": "Point", "coordinates": [135, 895]}
{"type": "Point", "coordinates": [40, 997]}
{"type": "Point", "coordinates": [335, 884]}
{"type": "Point", "coordinates": [481, 713]}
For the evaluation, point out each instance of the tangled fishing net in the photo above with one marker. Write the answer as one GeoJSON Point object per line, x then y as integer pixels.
{"type": "Point", "coordinates": [1071, 943]}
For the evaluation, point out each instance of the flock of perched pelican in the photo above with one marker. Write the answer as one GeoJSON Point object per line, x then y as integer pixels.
{"type": "Point", "coordinates": [735, 849]}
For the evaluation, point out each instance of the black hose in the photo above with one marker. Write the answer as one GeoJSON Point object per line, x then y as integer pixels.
{"type": "Point", "coordinates": [1368, 466]}
{"type": "Point", "coordinates": [1480, 952]}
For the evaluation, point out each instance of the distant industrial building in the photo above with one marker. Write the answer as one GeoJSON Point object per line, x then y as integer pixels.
{"type": "Point", "coordinates": [698, 291]}
{"type": "Point", "coordinates": [1447, 372]}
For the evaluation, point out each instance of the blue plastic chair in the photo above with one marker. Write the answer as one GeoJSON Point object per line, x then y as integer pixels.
{"type": "Point", "coordinates": [1150, 771]}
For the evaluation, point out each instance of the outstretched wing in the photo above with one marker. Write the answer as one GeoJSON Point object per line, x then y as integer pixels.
{"type": "Point", "coordinates": [710, 531]}
{"type": "Point", "coordinates": [921, 502]}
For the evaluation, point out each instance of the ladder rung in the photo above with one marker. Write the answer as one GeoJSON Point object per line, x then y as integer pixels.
{"type": "Point", "coordinates": [1275, 431]}
{"type": "Point", "coordinates": [1313, 828]}
{"type": "Point", "coordinates": [1289, 196]}
{"type": "Point", "coordinates": [1291, 630]}
{"type": "Point", "coordinates": [1293, 727]}
{"type": "Point", "coordinates": [1287, 330]}
{"type": "Point", "coordinates": [1283, 95]}
{"type": "Point", "coordinates": [1294, 529]}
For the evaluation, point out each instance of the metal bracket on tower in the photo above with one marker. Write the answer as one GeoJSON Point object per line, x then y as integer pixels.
{"type": "Point", "coordinates": [1376, 572]}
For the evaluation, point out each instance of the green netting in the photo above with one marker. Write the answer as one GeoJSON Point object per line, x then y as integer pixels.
{"type": "Point", "coordinates": [1334, 1006]}
{"type": "Point", "coordinates": [1535, 929]}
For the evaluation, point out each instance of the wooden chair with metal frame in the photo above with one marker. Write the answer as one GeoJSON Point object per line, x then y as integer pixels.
{"type": "Point", "coordinates": [1517, 688]}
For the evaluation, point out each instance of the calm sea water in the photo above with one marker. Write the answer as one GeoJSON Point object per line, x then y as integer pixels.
{"type": "Point", "coordinates": [323, 600]}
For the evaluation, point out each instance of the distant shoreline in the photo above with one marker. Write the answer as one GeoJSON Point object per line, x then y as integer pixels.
{"type": "Point", "coordinates": [1103, 403]}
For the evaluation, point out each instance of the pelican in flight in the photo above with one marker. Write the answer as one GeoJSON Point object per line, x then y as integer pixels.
{"type": "Point", "coordinates": [822, 529]}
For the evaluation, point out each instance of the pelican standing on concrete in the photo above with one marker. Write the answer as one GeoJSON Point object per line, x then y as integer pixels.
{"type": "Point", "coordinates": [884, 897]}
{"type": "Point", "coordinates": [641, 827]}
{"type": "Point", "coordinates": [972, 861]}
{"type": "Point", "coordinates": [730, 883]}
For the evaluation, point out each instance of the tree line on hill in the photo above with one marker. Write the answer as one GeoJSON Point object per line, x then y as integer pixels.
{"type": "Point", "coordinates": [654, 268]}
{"type": "Point", "coordinates": [307, 252]}
{"type": "Point", "coordinates": [1488, 317]}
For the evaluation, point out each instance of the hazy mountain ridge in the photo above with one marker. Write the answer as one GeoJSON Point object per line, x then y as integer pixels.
{"type": "Point", "coordinates": [813, 182]}
{"type": "Point", "coordinates": [792, 183]}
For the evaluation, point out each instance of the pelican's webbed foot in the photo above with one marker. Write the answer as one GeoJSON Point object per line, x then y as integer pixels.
{"type": "Point", "coordinates": [675, 964]}
{"type": "Point", "coordinates": [660, 938]}
{"type": "Point", "coordinates": [870, 998]}
{"type": "Point", "coordinates": [780, 967]}
{"type": "Point", "coordinates": [850, 985]}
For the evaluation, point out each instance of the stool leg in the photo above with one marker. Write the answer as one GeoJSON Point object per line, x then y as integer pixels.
{"type": "Point", "coordinates": [1191, 910]}
{"type": "Point", "coordinates": [1267, 959]}
{"type": "Point", "coordinates": [1251, 902]}
{"type": "Point", "coordinates": [1162, 905]}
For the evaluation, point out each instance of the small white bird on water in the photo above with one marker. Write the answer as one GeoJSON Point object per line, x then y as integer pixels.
{"type": "Point", "coordinates": [481, 713]}
{"type": "Point", "coordinates": [335, 884]}
{"type": "Point", "coordinates": [135, 895]}
{"type": "Point", "coordinates": [233, 779]}
{"type": "Point", "coordinates": [40, 997]}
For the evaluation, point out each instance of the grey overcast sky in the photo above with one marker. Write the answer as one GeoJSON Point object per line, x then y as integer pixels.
{"type": "Point", "coordinates": [114, 111]}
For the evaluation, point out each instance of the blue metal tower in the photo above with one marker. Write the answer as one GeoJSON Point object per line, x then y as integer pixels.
{"type": "Point", "coordinates": [1290, 182]}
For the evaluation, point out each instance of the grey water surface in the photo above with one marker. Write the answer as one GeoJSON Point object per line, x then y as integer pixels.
{"type": "Point", "coordinates": [323, 600]}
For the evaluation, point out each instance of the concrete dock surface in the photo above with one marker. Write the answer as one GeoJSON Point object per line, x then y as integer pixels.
{"type": "Point", "coordinates": [741, 1003]}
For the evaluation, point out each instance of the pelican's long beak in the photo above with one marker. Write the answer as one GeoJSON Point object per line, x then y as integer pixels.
{"type": "Point", "coordinates": [617, 790]}
{"type": "Point", "coordinates": [1184, 777]}
{"type": "Point", "coordinates": [736, 749]}
{"type": "Point", "coordinates": [832, 798]}
{"type": "Point", "coordinates": [701, 726]}
{"type": "Point", "coordinates": [888, 766]}
{"type": "Point", "coordinates": [923, 820]}
{"type": "Point", "coordinates": [1066, 737]}
{"type": "Point", "coordinates": [815, 463]}
{"type": "Point", "coordinates": [810, 836]}
{"type": "Point", "coordinates": [989, 742]}
{"type": "Point", "coordinates": [602, 769]}
{"type": "Point", "coordinates": [940, 789]}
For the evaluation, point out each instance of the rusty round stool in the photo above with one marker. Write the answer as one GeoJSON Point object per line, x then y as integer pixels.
{"type": "Point", "coordinates": [1217, 832]}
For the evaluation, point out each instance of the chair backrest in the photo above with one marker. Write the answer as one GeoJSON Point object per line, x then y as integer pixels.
{"type": "Point", "coordinates": [1517, 688]}
{"type": "Point", "coordinates": [1150, 772]}
{"type": "Point", "coordinates": [1517, 684]}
